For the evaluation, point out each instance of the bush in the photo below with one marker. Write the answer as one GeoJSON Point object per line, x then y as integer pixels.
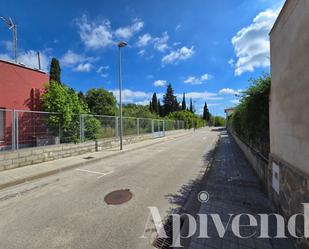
{"type": "Point", "coordinates": [190, 119]}
{"type": "Point", "coordinates": [251, 117]}
{"type": "Point", "coordinates": [65, 101]}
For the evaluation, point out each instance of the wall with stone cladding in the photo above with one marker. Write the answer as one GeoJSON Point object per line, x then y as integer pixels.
{"type": "Point", "coordinates": [29, 156]}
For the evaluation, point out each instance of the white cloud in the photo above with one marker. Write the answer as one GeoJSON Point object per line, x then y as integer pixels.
{"type": "Point", "coordinates": [235, 101]}
{"type": "Point", "coordinates": [144, 40]}
{"type": "Point", "coordinates": [178, 27]}
{"type": "Point", "coordinates": [144, 102]}
{"type": "Point", "coordinates": [104, 75]}
{"type": "Point", "coordinates": [141, 97]}
{"type": "Point", "coordinates": [201, 95]}
{"type": "Point", "coordinates": [102, 68]}
{"type": "Point", "coordinates": [99, 33]}
{"type": "Point", "coordinates": [102, 71]}
{"type": "Point", "coordinates": [160, 43]}
{"type": "Point", "coordinates": [129, 96]}
{"type": "Point", "coordinates": [95, 34]}
{"type": "Point", "coordinates": [251, 44]}
{"type": "Point", "coordinates": [70, 58]}
{"type": "Point", "coordinates": [8, 45]}
{"type": "Point", "coordinates": [142, 52]}
{"type": "Point", "coordinates": [175, 56]}
{"type": "Point", "coordinates": [193, 80]}
{"type": "Point", "coordinates": [159, 83]}
{"type": "Point", "coordinates": [128, 31]}
{"type": "Point", "coordinates": [80, 62]}
{"type": "Point", "coordinates": [83, 67]}
{"type": "Point", "coordinates": [206, 76]}
{"type": "Point", "coordinates": [29, 58]}
{"type": "Point", "coordinates": [231, 62]}
{"type": "Point", "coordinates": [229, 91]}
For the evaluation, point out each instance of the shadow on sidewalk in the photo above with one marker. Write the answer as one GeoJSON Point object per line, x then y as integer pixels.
{"type": "Point", "coordinates": [233, 188]}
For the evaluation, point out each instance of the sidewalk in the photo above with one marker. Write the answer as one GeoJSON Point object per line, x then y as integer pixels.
{"type": "Point", "coordinates": [16, 176]}
{"type": "Point", "coordinates": [234, 188]}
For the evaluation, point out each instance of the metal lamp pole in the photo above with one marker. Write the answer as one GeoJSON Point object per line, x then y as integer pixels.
{"type": "Point", "coordinates": [120, 45]}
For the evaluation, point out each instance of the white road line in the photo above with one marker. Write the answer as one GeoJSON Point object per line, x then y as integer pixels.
{"type": "Point", "coordinates": [95, 172]}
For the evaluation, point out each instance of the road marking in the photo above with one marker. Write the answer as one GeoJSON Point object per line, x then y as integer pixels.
{"type": "Point", "coordinates": [95, 172]}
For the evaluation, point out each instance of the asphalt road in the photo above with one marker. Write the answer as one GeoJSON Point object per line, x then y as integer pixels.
{"type": "Point", "coordinates": [67, 210]}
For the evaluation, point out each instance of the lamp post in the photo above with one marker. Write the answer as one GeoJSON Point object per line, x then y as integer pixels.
{"type": "Point", "coordinates": [120, 45]}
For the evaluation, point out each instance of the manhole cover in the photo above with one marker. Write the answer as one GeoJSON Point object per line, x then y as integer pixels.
{"type": "Point", "coordinates": [88, 157]}
{"type": "Point", "coordinates": [118, 197]}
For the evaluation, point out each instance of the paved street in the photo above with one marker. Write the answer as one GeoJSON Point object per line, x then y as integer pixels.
{"type": "Point", "coordinates": [67, 210]}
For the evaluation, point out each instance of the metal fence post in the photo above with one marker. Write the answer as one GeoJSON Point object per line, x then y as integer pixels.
{"type": "Point", "coordinates": [163, 127]}
{"type": "Point", "coordinates": [13, 129]}
{"type": "Point", "coordinates": [152, 126]}
{"type": "Point", "coordinates": [137, 126]}
{"type": "Point", "coordinates": [16, 131]}
{"type": "Point", "coordinates": [81, 124]}
{"type": "Point", "coordinates": [116, 126]}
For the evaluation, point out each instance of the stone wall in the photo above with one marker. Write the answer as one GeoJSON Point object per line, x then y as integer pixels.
{"type": "Point", "coordinates": [29, 156]}
{"type": "Point", "coordinates": [293, 191]}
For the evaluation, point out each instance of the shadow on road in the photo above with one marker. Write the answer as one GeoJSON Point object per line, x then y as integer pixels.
{"type": "Point", "coordinates": [185, 201]}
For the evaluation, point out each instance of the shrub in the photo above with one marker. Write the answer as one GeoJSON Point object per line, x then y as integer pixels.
{"type": "Point", "coordinates": [251, 118]}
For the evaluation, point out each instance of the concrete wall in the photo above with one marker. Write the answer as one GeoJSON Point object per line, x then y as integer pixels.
{"type": "Point", "coordinates": [289, 110]}
{"type": "Point", "coordinates": [29, 156]}
{"type": "Point", "coordinates": [257, 161]}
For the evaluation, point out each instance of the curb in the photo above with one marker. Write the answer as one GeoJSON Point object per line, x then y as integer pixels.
{"type": "Point", "coordinates": [56, 171]}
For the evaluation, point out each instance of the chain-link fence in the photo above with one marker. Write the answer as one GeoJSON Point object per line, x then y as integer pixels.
{"type": "Point", "coordinates": [22, 129]}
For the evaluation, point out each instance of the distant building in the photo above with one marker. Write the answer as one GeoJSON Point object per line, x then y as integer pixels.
{"type": "Point", "coordinates": [289, 111]}
{"type": "Point", "coordinates": [20, 89]}
{"type": "Point", "coordinates": [229, 112]}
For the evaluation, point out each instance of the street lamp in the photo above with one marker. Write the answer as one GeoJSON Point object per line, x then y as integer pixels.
{"type": "Point", "coordinates": [120, 45]}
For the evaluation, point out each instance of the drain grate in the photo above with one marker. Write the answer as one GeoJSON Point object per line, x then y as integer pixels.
{"type": "Point", "coordinates": [165, 243]}
{"type": "Point", "coordinates": [118, 197]}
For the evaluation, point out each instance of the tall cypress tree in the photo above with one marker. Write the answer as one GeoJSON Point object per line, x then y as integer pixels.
{"type": "Point", "coordinates": [150, 106]}
{"type": "Point", "coordinates": [191, 106]}
{"type": "Point", "coordinates": [206, 114]}
{"type": "Point", "coordinates": [183, 104]}
{"type": "Point", "coordinates": [155, 103]}
{"type": "Point", "coordinates": [160, 108]}
{"type": "Point", "coordinates": [54, 72]}
{"type": "Point", "coordinates": [170, 101]}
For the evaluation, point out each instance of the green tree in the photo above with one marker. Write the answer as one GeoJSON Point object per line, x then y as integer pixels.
{"type": "Point", "coordinates": [191, 106]}
{"type": "Point", "coordinates": [161, 109]}
{"type": "Point", "coordinates": [206, 114]}
{"type": "Point", "coordinates": [138, 111]}
{"type": "Point", "coordinates": [170, 101]}
{"type": "Point", "coordinates": [66, 103]}
{"type": "Point", "coordinates": [54, 73]}
{"type": "Point", "coordinates": [183, 104]}
{"type": "Point", "coordinates": [101, 102]}
{"type": "Point", "coordinates": [190, 119]}
{"type": "Point", "coordinates": [154, 102]}
{"type": "Point", "coordinates": [150, 106]}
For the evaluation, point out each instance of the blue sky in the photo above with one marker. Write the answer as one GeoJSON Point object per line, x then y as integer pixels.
{"type": "Point", "coordinates": [207, 49]}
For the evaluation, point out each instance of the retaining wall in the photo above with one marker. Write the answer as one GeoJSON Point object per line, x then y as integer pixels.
{"type": "Point", "coordinates": [29, 156]}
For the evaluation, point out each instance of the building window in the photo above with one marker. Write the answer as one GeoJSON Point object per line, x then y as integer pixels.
{"type": "Point", "coordinates": [2, 124]}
